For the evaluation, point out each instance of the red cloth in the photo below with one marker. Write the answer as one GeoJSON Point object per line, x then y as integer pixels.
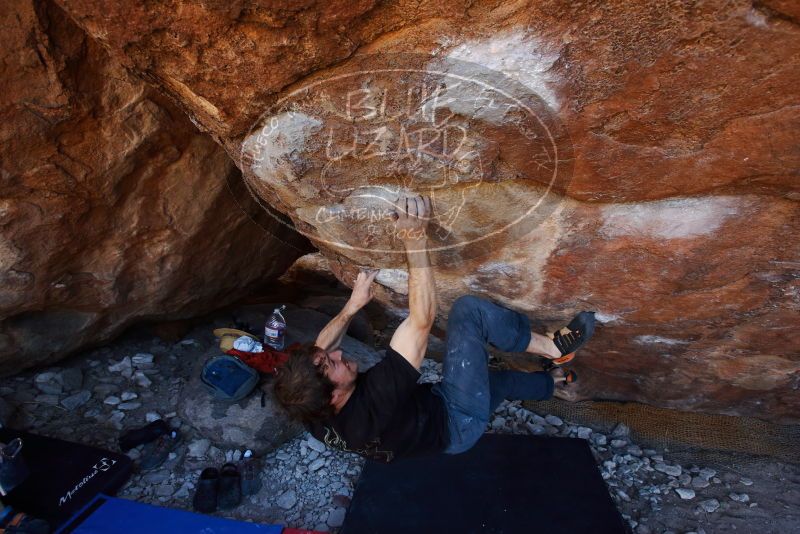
{"type": "Point", "coordinates": [266, 361]}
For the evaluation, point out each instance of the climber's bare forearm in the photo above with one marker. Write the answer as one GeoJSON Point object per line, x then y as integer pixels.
{"type": "Point", "coordinates": [421, 285]}
{"type": "Point", "coordinates": [411, 338]}
{"type": "Point", "coordinates": [331, 336]}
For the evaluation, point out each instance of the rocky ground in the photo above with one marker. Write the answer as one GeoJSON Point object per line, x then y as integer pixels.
{"type": "Point", "coordinates": [96, 396]}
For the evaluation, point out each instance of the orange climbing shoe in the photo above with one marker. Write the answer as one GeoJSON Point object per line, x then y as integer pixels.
{"type": "Point", "coordinates": [573, 336]}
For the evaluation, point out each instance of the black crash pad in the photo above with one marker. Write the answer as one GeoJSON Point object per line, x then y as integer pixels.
{"type": "Point", "coordinates": [64, 476]}
{"type": "Point", "coordinates": [505, 484]}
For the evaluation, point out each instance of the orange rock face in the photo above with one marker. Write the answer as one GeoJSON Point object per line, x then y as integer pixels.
{"type": "Point", "coordinates": [636, 159]}
{"type": "Point", "coordinates": [113, 207]}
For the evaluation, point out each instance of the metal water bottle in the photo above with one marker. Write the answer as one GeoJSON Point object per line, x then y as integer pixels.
{"type": "Point", "coordinates": [275, 329]}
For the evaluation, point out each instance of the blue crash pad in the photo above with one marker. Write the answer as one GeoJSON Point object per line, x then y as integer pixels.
{"type": "Point", "coordinates": [121, 516]}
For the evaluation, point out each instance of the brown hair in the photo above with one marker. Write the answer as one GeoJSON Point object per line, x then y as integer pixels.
{"type": "Point", "coordinates": [302, 387]}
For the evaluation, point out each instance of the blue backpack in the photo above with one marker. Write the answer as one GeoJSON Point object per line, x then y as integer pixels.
{"type": "Point", "coordinates": [228, 378]}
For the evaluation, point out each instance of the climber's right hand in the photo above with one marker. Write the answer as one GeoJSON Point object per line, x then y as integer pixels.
{"type": "Point", "coordinates": [412, 215]}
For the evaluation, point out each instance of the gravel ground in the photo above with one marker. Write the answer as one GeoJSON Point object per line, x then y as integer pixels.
{"type": "Point", "coordinates": [96, 396]}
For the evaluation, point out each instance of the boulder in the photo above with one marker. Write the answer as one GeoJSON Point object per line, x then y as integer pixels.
{"type": "Point", "coordinates": [634, 158]}
{"type": "Point", "coordinates": [114, 207]}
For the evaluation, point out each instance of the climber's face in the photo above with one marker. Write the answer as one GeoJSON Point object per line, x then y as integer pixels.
{"type": "Point", "coordinates": [339, 370]}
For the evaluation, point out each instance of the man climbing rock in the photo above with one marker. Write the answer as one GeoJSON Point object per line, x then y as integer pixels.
{"type": "Point", "coordinates": [383, 413]}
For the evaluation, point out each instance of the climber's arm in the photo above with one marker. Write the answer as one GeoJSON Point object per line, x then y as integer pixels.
{"type": "Point", "coordinates": [411, 338]}
{"type": "Point", "coordinates": [331, 336]}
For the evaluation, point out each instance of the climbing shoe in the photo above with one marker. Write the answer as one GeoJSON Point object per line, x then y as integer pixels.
{"type": "Point", "coordinates": [573, 336]}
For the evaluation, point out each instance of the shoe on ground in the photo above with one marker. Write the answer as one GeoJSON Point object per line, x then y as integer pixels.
{"type": "Point", "coordinates": [207, 491]}
{"type": "Point", "coordinates": [230, 487]}
{"type": "Point", "coordinates": [250, 468]}
{"type": "Point", "coordinates": [156, 452]}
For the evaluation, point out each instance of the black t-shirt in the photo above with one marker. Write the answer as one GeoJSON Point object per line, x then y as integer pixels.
{"type": "Point", "coordinates": [388, 415]}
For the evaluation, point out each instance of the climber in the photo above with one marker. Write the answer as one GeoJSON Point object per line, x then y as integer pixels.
{"type": "Point", "coordinates": [383, 413]}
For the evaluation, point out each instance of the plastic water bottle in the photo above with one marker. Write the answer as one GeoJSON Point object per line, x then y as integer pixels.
{"type": "Point", "coordinates": [275, 329]}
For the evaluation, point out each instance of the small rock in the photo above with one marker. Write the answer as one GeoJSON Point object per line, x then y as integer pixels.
{"type": "Point", "coordinates": [76, 400]}
{"type": "Point", "coordinates": [671, 470]}
{"type": "Point", "coordinates": [685, 493]}
{"type": "Point", "coordinates": [123, 367]}
{"type": "Point", "coordinates": [634, 450]}
{"type": "Point", "coordinates": [199, 447]}
{"type": "Point", "coordinates": [336, 517]}
{"type": "Point", "coordinates": [156, 477]}
{"type": "Point", "coordinates": [707, 473]}
{"type": "Point", "coordinates": [700, 482]}
{"type": "Point", "coordinates": [49, 383]}
{"type": "Point", "coordinates": [116, 419]}
{"type": "Point", "coordinates": [129, 405]}
{"type": "Point", "coordinates": [112, 400]}
{"type": "Point", "coordinates": [746, 481]}
{"type": "Point", "coordinates": [618, 443]}
{"type": "Point", "coordinates": [165, 490]}
{"type": "Point", "coordinates": [599, 439]}
{"type": "Point", "coordinates": [621, 430]}
{"type": "Point", "coordinates": [584, 432]}
{"type": "Point", "coordinates": [142, 358]}
{"type": "Point", "coordinates": [128, 395]}
{"type": "Point", "coordinates": [536, 430]}
{"type": "Point", "coordinates": [553, 420]}
{"type": "Point", "coordinates": [151, 416]}
{"type": "Point", "coordinates": [316, 464]}
{"type": "Point", "coordinates": [315, 444]}
{"type": "Point", "coordinates": [498, 423]}
{"type": "Point", "coordinates": [710, 506]}
{"type": "Point", "coordinates": [537, 419]}
{"type": "Point", "coordinates": [187, 342]}
{"type": "Point", "coordinates": [141, 380]}
{"type": "Point", "coordinates": [624, 496]}
{"type": "Point", "coordinates": [739, 497]}
{"type": "Point", "coordinates": [184, 491]}
{"type": "Point", "coordinates": [287, 500]}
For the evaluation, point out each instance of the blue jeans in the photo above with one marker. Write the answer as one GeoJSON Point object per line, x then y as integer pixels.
{"type": "Point", "coordinates": [470, 391]}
